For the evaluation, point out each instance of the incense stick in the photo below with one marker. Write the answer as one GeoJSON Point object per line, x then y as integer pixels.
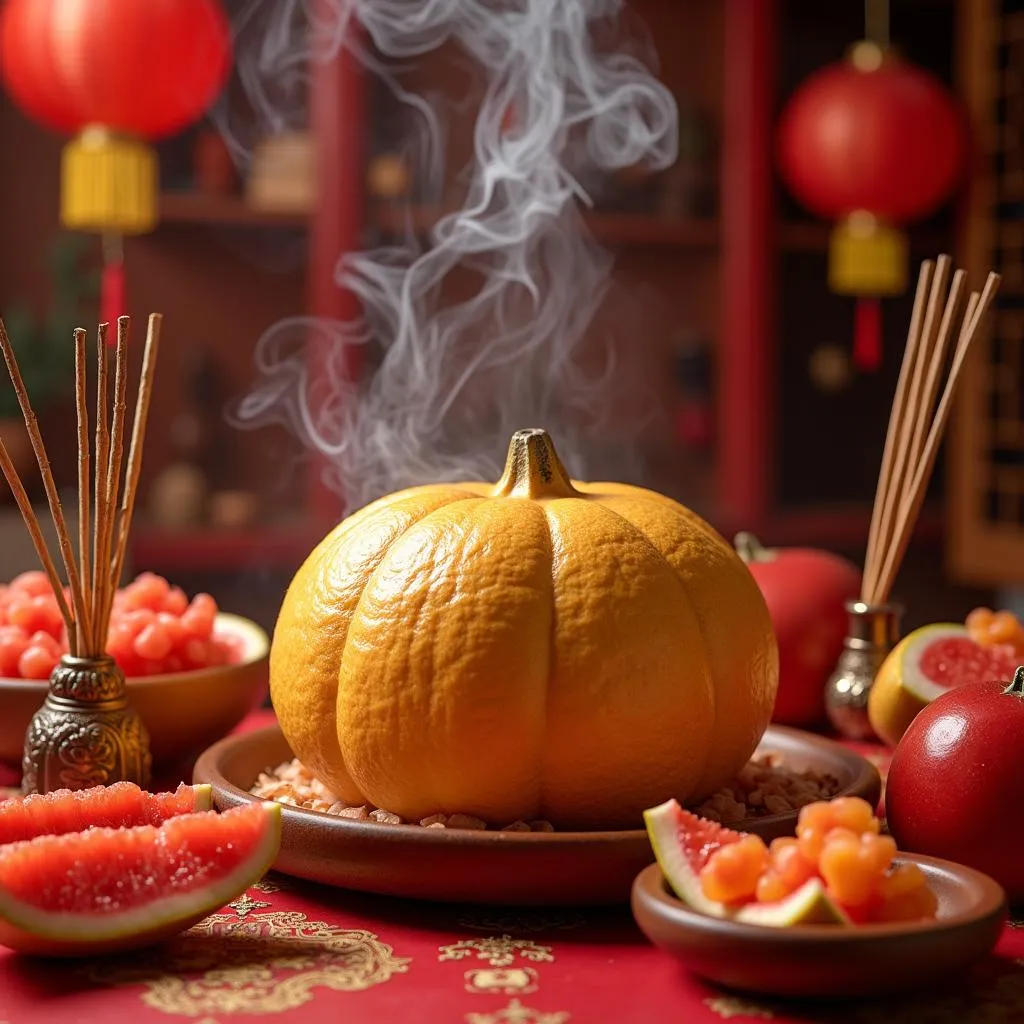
{"type": "Point", "coordinates": [49, 484]}
{"type": "Point", "coordinates": [93, 578]}
{"type": "Point", "coordinates": [84, 628]}
{"type": "Point", "coordinates": [916, 424]}
{"type": "Point", "coordinates": [142, 403]}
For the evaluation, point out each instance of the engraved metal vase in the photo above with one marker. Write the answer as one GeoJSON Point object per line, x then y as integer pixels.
{"type": "Point", "coordinates": [872, 633]}
{"type": "Point", "coordinates": [86, 733]}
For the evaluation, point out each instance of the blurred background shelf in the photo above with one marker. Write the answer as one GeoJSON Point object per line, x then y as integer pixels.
{"type": "Point", "coordinates": [201, 208]}
{"type": "Point", "coordinates": [736, 351]}
{"type": "Point", "coordinates": [215, 549]}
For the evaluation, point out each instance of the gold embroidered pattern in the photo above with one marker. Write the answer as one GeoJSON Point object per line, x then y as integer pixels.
{"type": "Point", "coordinates": [513, 923]}
{"type": "Point", "coordinates": [265, 885]}
{"type": "Point", "coordinates": [497, 950]}
{"type": "Point", "coordinates": [260, 964]}
{"type": "Point", "coordinates": [245, 905]}
{"type": "Point", "coordinates": [504, 981]}
{"type": "Point", "coordinates": [516, 1013]}
{"type": "Point", "coordinates": [729, 1007]}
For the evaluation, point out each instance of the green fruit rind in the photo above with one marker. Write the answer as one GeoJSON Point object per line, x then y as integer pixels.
{"type": "Point", "coordinates": [809, 904]}
{"type": "Point", "coordinates": [29, 929]}
{"type": "Point", "coordinates": [204, 796]}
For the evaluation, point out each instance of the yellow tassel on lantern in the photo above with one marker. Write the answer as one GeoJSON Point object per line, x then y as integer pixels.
{"type": "Point", "coordinates": [867, 257]}
{"type": "Point", "coordinates": [109, 184]}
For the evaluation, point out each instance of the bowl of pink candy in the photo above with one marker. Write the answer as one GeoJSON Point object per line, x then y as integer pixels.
{"type": "Point", "coordinates": [193, 672]}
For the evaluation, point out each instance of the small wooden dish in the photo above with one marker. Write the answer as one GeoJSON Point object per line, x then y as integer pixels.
{"type": "Point", "coordinates": [184, 711]}
{"type": "Point", "coordinates": [457, 865]}
{"type": "Point", "coordinates": [825, 961]}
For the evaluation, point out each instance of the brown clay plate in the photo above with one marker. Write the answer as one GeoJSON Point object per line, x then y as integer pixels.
{"type": "Point", "coordinates": [823, 961]}
{"type": "Point", "coordinates": [456, 865]}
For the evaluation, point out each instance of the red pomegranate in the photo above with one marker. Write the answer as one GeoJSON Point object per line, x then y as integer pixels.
{"type": "Point", "coordinates": [806, 591]}
{"type": "Point", "coordinates": [953, 787]}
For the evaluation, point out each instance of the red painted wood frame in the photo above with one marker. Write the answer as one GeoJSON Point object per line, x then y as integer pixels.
{"type": "Point", "coordinates": [747, 281]}
{"type": "Point", "coordinates": [337, 122]}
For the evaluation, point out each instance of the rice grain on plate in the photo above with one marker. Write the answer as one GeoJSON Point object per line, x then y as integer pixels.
{"type": "Point", "coordinates": [762, 788]}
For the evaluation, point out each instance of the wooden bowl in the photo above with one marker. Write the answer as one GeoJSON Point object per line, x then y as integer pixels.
{"type": "Point", "coordinates": [184, 711]}
{"type": "Point", "coordinates": [830, 961]}
{"type": "Point", "coordinates": [457, 865]}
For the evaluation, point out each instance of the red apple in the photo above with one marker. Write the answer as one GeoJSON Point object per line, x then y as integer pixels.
{"type": "Point", "coordinates": [806, 591]}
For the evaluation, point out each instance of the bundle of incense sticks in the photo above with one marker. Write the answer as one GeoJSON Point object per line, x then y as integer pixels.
{"type": "Point", "coordinates": [919, 414]}
{"type": "Point", "coordinates": [93, 576]}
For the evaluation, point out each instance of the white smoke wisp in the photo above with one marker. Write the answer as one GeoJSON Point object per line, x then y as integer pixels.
{"type": "Point", "coordinates": [455, 379]}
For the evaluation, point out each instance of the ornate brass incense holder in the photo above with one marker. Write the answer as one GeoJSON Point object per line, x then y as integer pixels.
{"type": "Point", "coordinates": [86, 733]}
{"type": "Point", "coordinates": [873, 632]}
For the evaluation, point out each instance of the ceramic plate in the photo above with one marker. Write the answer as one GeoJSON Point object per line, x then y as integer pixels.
{"type": "Point", "coordinates": [815, 961]}
{"type": "Point", "coordinates": [456, 865]}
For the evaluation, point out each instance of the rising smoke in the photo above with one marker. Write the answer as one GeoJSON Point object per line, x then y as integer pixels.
{"type": "Point", "coordinates": [452, 380]}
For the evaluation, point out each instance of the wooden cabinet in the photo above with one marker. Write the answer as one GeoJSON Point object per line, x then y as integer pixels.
{"type": "Point", "coordinates": [986, 485]}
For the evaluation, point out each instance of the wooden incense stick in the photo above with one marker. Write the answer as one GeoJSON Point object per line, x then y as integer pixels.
{"type": "Point", "coordinates": [896, 417]}
{"type": "Point", "coordinates": [49, 484]}
{"type": "Point", "coordinates": [102, 536]}
{"type": "Point", "coordinates": [916, 424]}
{"type": "Point", "coordinates": [142, 403]}
{"type": "Point", "coordinates": [35, 531]}
{"type": "Point", "coordinates": [102, 456]}
{"type": "Point", "coordinates": [104, 597]}
{"type": "Point", "coordinates": [84, 628]}
{"type": "Point", "coordinates": [918, 348]}
{"type": "Point", "coordinates": [939, 359]}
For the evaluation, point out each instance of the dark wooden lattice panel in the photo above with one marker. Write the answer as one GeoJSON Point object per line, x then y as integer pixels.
{"type": "Point", "coordinates": [987, 442]}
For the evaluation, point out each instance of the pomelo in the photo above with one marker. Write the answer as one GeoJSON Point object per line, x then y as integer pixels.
{"type": "Point", "coordinates": [925, 664]}
{"type": "Point", "coordinates": [108, 889]}
{"type": "Point", "coordinates": [683, 843]}
{"type": "Point", "coordinates": [120, 805]}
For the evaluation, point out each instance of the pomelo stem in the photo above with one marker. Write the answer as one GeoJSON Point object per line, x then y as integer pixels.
{"type": "Point", "coordinates": [1016, 688]}
{"type": "Point", "coordinates": [533, 469]}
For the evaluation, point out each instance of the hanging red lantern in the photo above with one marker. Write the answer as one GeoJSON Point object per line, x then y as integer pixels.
{"type": "Point", "coordinates": [117, 74]}
{"type": "Point", "coordinates": [873, 142]}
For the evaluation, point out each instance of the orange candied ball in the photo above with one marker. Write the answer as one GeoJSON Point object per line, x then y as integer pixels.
{"type": "Point", "coordinates": [1004, 628]}
{"type": "Point", "coordinates": [732, 872]}
{"type": "Point", "coordinates": [818, 819]}
{"type": "Point", "coordinates": [978, 621]}
{"type": "Point", "coordinates": [852, 866]}
{"type": "Point", "coordinates": [904, 895]}
{"type": "Point", "coordinates": [788, 869]}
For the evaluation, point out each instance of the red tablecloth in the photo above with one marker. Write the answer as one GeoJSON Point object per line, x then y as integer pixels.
{"type": "Point", "coordinates": [289, 952]}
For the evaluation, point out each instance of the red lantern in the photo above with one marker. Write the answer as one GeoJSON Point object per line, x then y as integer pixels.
{"type": "Point", "coordinates": [873, 142]}
{"type": "Point", "coordinates": [117, 74]}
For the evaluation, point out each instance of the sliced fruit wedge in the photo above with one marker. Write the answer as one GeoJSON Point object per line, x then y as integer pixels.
{"type": "Point", "coordinates": [683, 843]}
{"type": "Point", "coordinates": [110, 889]}
{"type": "Point", "coordinates": [119, 805]}
{"type": "Point", "coordinates": [924, 665]}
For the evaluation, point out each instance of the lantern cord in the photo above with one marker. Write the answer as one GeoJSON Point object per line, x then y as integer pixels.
{"type": "Point", "coordinates": [867, 335]}
{"type": "Point", "coordinates": [112, 283]}
{"type": "Point", "coordinates": [876, 23]}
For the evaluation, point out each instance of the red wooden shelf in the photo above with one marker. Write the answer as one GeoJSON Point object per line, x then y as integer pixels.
{"type": "Point", "coordinates": [222, 549]}
{"type": "Point", "coordinates": [200, 208]}
{"type": "Point", "coordinates": [625, 229]}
